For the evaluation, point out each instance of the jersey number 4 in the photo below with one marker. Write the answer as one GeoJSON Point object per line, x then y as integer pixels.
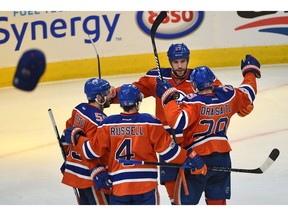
{"type": "Point", "coordinates": [124, 151]}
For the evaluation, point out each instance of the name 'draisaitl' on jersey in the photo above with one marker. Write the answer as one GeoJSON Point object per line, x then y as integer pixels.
{"type": "Point", "coordinates": [215, 111]}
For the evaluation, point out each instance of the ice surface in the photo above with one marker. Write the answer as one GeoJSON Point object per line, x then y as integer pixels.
{"type": "Point", "coordinates": [30, 157]}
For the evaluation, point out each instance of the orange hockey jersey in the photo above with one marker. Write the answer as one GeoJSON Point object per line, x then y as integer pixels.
{"type": "Point", "coordinates": [204, 119]}
{"type": "Point", "coordinates": [77, 169]}
{"type": "Point", "coordinates": [135, 136]}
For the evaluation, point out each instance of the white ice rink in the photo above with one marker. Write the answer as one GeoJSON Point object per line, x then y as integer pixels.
{"type": "Point", "coordinates": [30, 157]}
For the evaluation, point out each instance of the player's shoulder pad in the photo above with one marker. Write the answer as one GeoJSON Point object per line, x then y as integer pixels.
{"type": "Point", "coordinates": [111, 119]}
{"type": "Point", "coordinates": [226, 91]}
{"type": "Point", "coordinates": [90, 112]}
{"type": "Point", "coordinates": [148, 118]}
{"type": "Point", "coordinates": [140, 118]}
{"type": "Point", "coordinates": [189, 97]}
{"type": "Point", "coordinates": [224, 88]}
{"type": "Point", "coordinates": [82, 106]}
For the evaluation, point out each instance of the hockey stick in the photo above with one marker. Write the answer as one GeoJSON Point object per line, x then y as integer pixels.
{"type": "Point", "coordinates": [162, 15]}
{"type": "Point", "coordinates": [159, 19]}
{"type": "Point", "coordinates": [61, 147]}
{"type": "Point", "coordinates": [268, 162]}
{"type": "Point", "coordinates": [98, 59]}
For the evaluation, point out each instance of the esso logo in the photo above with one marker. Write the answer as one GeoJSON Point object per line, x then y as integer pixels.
{"type": "Point", "coordinates": [176, 24]}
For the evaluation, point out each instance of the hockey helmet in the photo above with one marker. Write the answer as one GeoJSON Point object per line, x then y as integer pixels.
{"type": "Point", "coordinates": [202, 77]}
{"type": "Point", "coordinates": [129, 95]}
{"type": "Point", "coordinates": [178, 51]}
{"type": "Point", "coordinates": [95, 86]}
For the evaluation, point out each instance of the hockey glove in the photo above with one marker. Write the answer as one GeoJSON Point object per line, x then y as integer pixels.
{"type": "Point", "coordinates": [196, 162]}
{"type": "Point", "coordinates": [72, 134]}
{"type": "Point", "coordinates": [65, 145]}
{"type": "Point", "coordinates": [250, 64]}
{"type": "Point", "coordinates": [101, 178]}
{"type": "Point", "coordinates": [62, 139]}
{"type": "Point", "coordinates": [166, 91]}
{"type": "Point", "coordinates": [246, 111]}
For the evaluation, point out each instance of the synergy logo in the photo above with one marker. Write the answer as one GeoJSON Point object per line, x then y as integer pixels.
{"type": "Point", "coordinates": [268, 19]}
{"type": "Point", "coordinates": [19, 30]}
{"type": "Point", "coordinates": [176, 24]}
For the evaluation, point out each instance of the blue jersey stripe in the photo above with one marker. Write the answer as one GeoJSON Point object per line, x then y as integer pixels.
{"type": "Point", "coordinates": [134, 175]}
{"type": "Point", "coordinates": [249, 91]}
{"type": "Point", "coordinates": [78, 170]}
{"type": "Point", "coordinates": [89, 154]}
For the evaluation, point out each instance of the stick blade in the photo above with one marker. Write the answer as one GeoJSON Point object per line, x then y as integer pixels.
{"type": "Point", "coordinates": [274, 154]}
{"type": "Point", "coordinates": [162, 15]}
{"type": "Point", "coordinates": [269, 161]}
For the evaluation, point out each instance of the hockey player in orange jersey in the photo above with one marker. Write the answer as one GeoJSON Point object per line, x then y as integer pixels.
{"type": "Point", "coordinates": [87, 116]}
{"type": "Point", "coordinates": [131, 135]}
{"type": "Point", "coordinates": [204, 117]}
{"type": "Point", "coordinates": [178, 75]}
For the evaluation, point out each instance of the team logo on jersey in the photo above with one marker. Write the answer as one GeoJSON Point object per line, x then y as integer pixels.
{"type": "Point", "coordinates": [176, 24]}
{"type": "Point", "coordinates": [266, 21]}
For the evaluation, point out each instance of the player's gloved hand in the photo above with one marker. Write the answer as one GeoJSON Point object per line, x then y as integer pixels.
{"type": "Point", "coordinates": [65, 145]}
{"type": "Point", "coordinates": [166, 91]}
{"type": "Point", "coordinates": [197, 164]}
{"type": "Point", "coordinates": [246, 111]}
{"type": "Point", "coordinates": [72, 133]}
{"type": "Point", "coordinates": [101, 178]}
{"type": "Point", "coordinates": [62, 139]}
{"type": "Point", "coordinates": [250, 64]}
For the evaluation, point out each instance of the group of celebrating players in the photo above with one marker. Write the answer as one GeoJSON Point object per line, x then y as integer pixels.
{"type": "Point", "coordinates": [193, 112]}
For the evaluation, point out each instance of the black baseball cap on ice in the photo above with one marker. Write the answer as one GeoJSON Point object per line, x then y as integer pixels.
{"type": "Point", "coordinates": [30, 68]}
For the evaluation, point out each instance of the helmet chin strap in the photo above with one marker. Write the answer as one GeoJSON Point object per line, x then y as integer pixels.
{"type": "Point", "coordinates": [101, 103]}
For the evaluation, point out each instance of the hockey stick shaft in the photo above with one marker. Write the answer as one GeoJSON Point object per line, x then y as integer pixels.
{"type": "Point", "coordinates": [268, 162]}
{"type": "Point", "coordinates": [61, 147]}
{"type": "Point", "coordinates": [98, 58]}
{"type": "Point", "coordinates": [159, 19]}
{"type": "Point", "coordinates": [57, 133]}
{"type": "Point", "coordinates": [162, 15]}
